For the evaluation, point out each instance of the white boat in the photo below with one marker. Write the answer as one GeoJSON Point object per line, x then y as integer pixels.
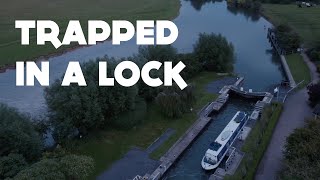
{"type": "Point", "coordinates": [219, 148]}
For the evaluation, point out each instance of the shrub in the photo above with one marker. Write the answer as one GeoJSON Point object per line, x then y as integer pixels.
{"type": "Point", "coordinates": [287, 39]}
{"type": "Point", "coordinates": [173, 102]}
{"type": "Point", "coordinates": [83, 109]}
{"type": "Point", "coordinates": [301, 151]}
{"type": "Point", "coordinates": [214, 52]}
{"type": "Point", "coordinates": [18, 135]}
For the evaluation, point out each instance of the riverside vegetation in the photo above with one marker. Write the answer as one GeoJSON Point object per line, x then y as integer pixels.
{"type": "Point", "coordinates": [304, 21]}
{"type": "Point", "coordinates": [61, 12]}
{"type": "Point", "coordinates": [257, 142]}
{"type": "Point", "coordinates": [22, 155]}
{"type": "Point", "coordinates": [115, 118]}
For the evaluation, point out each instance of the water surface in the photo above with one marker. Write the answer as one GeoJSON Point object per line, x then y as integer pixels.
{"type": "Point", "coordinates": [246, 32]}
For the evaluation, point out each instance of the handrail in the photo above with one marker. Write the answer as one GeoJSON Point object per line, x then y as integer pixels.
{"type": "Point", "coordinates": [285, 97]}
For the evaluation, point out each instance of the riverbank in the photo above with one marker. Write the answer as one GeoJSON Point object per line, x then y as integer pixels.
{"type": "Point", "coordinates": [11, 49]}
{"type": "Point", "coordinates": [117, 142]}
{"type": "Point", "coordinates": [305, 21]}
{"type": "Point", "coordinates": [257, 142]}
{"type": "Point", "coordinates": [299, 69]}
{"type": "Point", "coordinates": [296, 110]}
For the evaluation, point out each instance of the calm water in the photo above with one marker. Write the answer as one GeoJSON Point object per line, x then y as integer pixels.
{"type": "Point", "coordinates": [253, 61]}
{"type": "Point", "coordinates": [246, 32]}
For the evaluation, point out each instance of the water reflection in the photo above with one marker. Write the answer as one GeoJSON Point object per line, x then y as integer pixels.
{"type": "Point", "coordinates": [248, 37]}
{"type": "Point", "coordinates": [197, 4]}
{"type": "Point", "coordinates": [250, 15]}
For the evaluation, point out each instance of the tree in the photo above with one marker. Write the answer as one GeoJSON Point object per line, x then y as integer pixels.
{"type": "Point", "coordinates": [45, 169]}
{"type": "Point", "coordinates": [314, 94]}
{"type": "Point", "coordinates": [10, 165]}
{"type": "Point", "coordinates": [193, 65]}
{"type": "Point", "coordinates": [302, 158]}
{"type": "Point", "coordinates": [287, 38]}
{"type": "Point", "coordinates": [173, 102]}
{"type": "Point", "coordinates": [18, 135]}
{"type": "Point", "coordinates": [83, 109]}
{"type": "Point", "coordinates": [159, 53]}
{"type": "Point", "coordinates": [71, 167]}
{"type": "Point", "coordinates": [214, 52]}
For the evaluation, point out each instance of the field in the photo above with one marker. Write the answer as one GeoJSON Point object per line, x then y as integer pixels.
{"type": "Point", "coordinates": [62, 11]}
{"type": "Point", "coordinates": [305, 21]}
{"type": "Point", "coordinates": [299, 69]}
{"type": "Point", "coordinates": [109, 146]}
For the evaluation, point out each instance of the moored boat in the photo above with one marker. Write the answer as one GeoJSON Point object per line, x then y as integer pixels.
{"type": "Point", "coordinates": [219, 148]}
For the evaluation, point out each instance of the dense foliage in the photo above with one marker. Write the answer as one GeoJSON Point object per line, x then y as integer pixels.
{"type": "Point", "coordinates": [314, 94]}
{"type": "Point", "coordinates": [193, 65]}
{"type": "Point", "coordinates": [158, 53]}
{"type": "Point", "coordinates": [214, 52]}
{"type": "Point", "coordinates": [21, 148]}
{"type": "Point", "coordinates": [314, 53]}
{"type": "Point", "coordinates": [302, 158]}
{"type": "Point", "coordinates": [81, 109]}
{"type": "Point", "coordinates": [18, 136]}
{"type": "Point", "coordinates": [287, 38]}
{"type": "Point", "coordinates": [66, 167]}
{"type": "Point", "coordinates": [11, 165]}
{"type": "Point", "coordinates": [173, 102]}
{"type": "Point", "coordinates": [75, 110]}
{"type": "Point", "coordinates": [249, 5]}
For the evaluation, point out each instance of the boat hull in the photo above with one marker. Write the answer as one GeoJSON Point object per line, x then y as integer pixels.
{"type": "Point", "coordinates": [207, 166]}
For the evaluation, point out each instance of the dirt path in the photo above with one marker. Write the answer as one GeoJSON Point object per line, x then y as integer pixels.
{"type": "Point", "coordinates": [295, 111]}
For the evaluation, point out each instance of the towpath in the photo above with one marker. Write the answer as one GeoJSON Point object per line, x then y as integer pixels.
{"type": "Point", "coordinates": [295, 111]}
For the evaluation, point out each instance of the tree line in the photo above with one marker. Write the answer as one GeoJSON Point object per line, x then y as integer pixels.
{"type": "Point", "coordinates": [22, 154]}
{"type": "Point", "coordinates": [77, 111]}
{"type": "Point", "coordinates": [301, 153]}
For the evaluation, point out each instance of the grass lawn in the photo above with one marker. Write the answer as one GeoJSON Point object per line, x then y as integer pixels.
{"type": "Point", "coordinates": [108, 146]}
{"type": "Point", "coordinates": [299, 69]}
{"type": "Point", "coordinates": [257, 142]}
{"type": "Point", "coordinates": [305, 21]}
{"type": "Point", "coordinates": [62, 11]}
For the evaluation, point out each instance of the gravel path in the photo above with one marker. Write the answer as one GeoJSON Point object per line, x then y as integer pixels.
{"type": "Point", "coordinates": [296, 109]}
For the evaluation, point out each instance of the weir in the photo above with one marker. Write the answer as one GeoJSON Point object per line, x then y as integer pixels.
{"type": "Point", "coordinates": [190, 135]}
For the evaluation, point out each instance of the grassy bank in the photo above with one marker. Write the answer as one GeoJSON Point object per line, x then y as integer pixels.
{"type": "Point", "coordinates": [108, 146]}
{"type": "Point", "coordinates": [257, 142]}
{"type": "Point", "coordinates": [62, 11]}
{"type": "Point", "coordinates": [299, 69]}
{"type": "Point", "coordinates": [305, 21]}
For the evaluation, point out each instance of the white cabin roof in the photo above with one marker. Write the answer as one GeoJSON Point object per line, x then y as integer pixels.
{"type": "Point", "coordinates": [225, 135]}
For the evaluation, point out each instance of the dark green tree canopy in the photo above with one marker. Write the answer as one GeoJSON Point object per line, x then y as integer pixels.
{"type": "Point", "coordinates": [287, 38]}
{"type": "Point", "coordinates": [214, 52]}
{"type": "Point", "coordinates": [314, 94]}
{"type": "Point", "coordinates": [18, 135]}
{"type": "Point", "coordinates": [159, 53]}
{"type": "Point", "coordinates": [173, 102]}
{"type": "Point", "coordinates": [67, 167]}
{"type": "Point", "coordinates": [10, 165]}
{"type": "Point", "coordinates": [302, 158]}
{"type": "Point", "coordinates": [85, 108]}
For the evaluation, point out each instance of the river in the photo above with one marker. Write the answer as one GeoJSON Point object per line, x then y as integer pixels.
{"type": "Point", "coordinates": [246, 32]}
{"type": "Point", "coordinates": [254, 61]}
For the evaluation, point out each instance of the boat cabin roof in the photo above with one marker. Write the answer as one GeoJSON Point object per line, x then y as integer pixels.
{"type": "Point", "coordinates": [216, 146]}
